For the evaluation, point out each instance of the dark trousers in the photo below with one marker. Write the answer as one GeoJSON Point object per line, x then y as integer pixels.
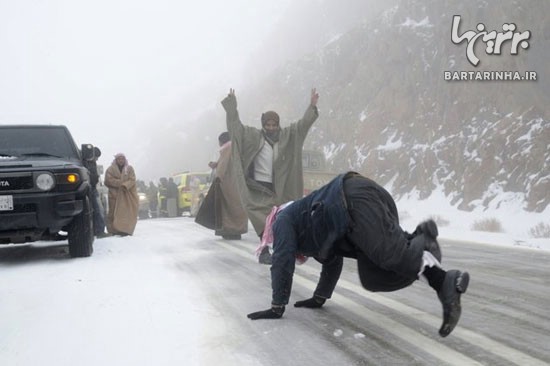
{"type": "Point", "coordinates": [98, 217]}
{"type": "Point", "coordinates": [385, 260]}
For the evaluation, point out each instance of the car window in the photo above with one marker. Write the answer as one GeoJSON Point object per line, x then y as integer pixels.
{"type": "Point", "coordinates": [202, 177]}
{"type": "Point", "coordinates": [37, 141]}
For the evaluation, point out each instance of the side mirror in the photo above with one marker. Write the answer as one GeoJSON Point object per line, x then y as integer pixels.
{"type": "Point", "coordinates": [88, 152]}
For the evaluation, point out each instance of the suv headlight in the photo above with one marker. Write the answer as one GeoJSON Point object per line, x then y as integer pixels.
{"type": "Point", "coordinates": [45, 181]}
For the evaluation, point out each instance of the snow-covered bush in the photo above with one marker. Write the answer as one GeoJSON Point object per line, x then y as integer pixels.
{"type": "Point", "coordinates": [541, 230]}
{"type": "Point", "coordinates": [490, 224]}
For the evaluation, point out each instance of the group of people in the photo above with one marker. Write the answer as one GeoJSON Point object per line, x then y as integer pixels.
{"type": "Point", "coordinates": [352, 217]}
{"type": "Point", "coordinates": [163, 199]}
{"type": "Point", "coordinates": [258, 177]}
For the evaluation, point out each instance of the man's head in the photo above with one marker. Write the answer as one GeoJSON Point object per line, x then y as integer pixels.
{"type": "Point", "coordinates": [270, 120]}
{"type": "Point", "coordinates": [120, 159]}
{"type": "Point", "coordinates": [223, 138]}
{"type": "Point", "coordinates": [270, 125]}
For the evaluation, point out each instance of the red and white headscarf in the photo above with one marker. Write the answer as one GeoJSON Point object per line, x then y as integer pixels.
{"type": "Point", "coordinates": [267, 236]}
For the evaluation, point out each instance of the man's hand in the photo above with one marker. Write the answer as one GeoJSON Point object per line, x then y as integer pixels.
{"type": "Point", "coordinates": [312, 303]}
{"type": "Point", "coordinates": [274, 313]}
{"type": "Point", "coordinates": [230, 102]}
{"type": "Point", "coordinates": [314, 97]}
{"type": "Point", "coordinates": [213, 164]}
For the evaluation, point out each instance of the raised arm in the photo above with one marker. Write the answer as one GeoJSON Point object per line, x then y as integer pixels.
{"type": "Point", "coordinates": [229, 103]}
{"type": "Point", "coordinates": [314, 97]}
{"type": "Point", "coordinates": [310, 115]}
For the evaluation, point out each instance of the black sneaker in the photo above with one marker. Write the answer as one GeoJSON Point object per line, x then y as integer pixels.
{"type": "Point", "coordinates": [265, 256]}
{"type": "Point", "coordinates": [454, 284]}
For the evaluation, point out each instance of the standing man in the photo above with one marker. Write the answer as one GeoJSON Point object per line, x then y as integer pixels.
{"type": "Point", "coordinates": [353, 216]}
{"type": "Point", "coordinates": [222, 206]}
{"type": "Point", "coordinates": [268, 161]}
{"type": "Point", "coordinates": [152, 195]}
{"type": "Point", "coordinates": [172, 198]}
{"type": "Point", "coordinates": [120, 178]}
{"type": "Point", "coordinates": [162, 197]}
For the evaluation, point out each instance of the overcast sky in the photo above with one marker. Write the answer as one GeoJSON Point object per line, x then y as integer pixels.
{"type": "Point", "coordinates": [115, 64]}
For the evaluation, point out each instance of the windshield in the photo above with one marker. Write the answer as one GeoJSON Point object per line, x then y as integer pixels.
{"type": "Point", "coordinates": [33, 141]}
{"type": "Point", "coordinates": [203, 178]}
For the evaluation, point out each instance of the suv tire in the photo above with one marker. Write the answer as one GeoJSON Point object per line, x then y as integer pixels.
{"type": "Point", "coordinates": [80, 232]}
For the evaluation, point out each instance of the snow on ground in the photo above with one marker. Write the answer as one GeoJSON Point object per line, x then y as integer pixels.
{"type": "Point", "coordinates": [175, 323]}
{"type": "Point", "coordinates": [102, 308]}
{"type": "Point", "coordinates": [516, 223]}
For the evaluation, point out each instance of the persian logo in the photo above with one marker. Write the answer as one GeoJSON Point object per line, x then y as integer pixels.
{"type": "Point", "coordinates": [493, 40]}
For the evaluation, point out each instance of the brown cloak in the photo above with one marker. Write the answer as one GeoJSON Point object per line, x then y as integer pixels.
{"type": "Point", "coordinates": [123, 199]}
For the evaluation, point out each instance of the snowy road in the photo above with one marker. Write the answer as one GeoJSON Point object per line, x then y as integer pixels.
{"type": "Point", "coordinates": [173, 294]}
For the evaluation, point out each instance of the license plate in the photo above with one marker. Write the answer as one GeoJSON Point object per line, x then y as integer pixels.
{"type": "Point", "coordinates": [6, 203]}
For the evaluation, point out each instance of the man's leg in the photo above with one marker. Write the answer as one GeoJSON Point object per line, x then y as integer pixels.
{"type": "Point", "coordinates": [388, 249]}
{"type": "Point", "coordinates": [449, 285]}
{"type": "Point", "coordinates": [375, 229]}
{"type": "Point", "coordinates": [376, 279]}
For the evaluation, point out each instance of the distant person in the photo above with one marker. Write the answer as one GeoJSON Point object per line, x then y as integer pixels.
{"type": "Point", "coordinates": [163, 193]}
{"type": "Point", "coordinates": [172, 189]}
{"type": "Point", "coordinates": [268, 160]}
{"type": "Point", "coordinates": [120, 178]}
{"type": "Point", "coordinates": [141, 186]}
{"type": "Point", "coordinates": [152, 196]}
{"type": "Point", "coordinates": [222, 207]}
{"type": "Point", "coordinates": [98, 216]}
{"type": "Point", "coordinates": [172, 198]}
{"type": "Point", "coordinates": [353, 216]}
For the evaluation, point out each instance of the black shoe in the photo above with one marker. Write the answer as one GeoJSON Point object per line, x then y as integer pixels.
{"type": "Point", "coordinates": [454, 284]}
{"type": "Point", "coordinates": [425, 236]}
{"type": "Point", "coordinates": [429, 228]}
{"type": "Point", "coordinates": [265, 256]}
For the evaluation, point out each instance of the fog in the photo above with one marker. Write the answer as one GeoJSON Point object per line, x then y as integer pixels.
{"type": "Point", "coordinates": [129, 75]}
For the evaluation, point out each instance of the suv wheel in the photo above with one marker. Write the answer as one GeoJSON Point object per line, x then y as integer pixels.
{"type": "Point", "coordinates": [81, 235]}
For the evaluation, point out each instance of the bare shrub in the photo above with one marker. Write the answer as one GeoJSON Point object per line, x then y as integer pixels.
{"type": "Point", "coordinates": [541, 230]}
{"type": "Point", "coordinates": [440, 220]}
{"type": "Point", "coordinates": [490, 224]}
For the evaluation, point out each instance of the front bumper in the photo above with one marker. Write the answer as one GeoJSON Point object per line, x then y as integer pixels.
{"type": "Point", "coordinates": [38, 214]}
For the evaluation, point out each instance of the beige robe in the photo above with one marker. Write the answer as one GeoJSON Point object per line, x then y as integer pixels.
{"type": "Point", "coordinates": [123, 200]}
{"type": "Point", "coordinates": [234, 220]}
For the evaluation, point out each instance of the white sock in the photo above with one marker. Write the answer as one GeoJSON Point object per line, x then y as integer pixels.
{"type": "Point", "coordinates": [428, 260]}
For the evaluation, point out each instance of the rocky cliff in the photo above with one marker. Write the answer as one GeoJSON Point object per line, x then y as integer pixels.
{"type": "Point", "coordinates": [388, 112]}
